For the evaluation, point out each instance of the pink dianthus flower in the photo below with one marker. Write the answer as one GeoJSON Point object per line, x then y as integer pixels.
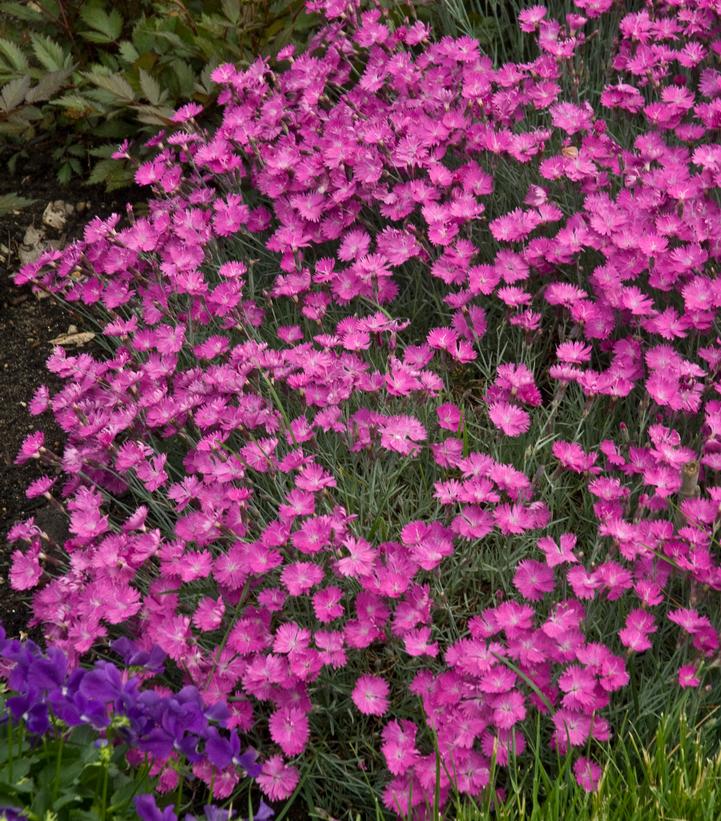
{"type": "Point", "coordinates": [370, 695]}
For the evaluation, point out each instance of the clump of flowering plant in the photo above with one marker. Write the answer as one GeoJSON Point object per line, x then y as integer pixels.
{"type": "Point", "coordinates": [89, 718]}
{"type": "Point", "coordinates": [368, 440]}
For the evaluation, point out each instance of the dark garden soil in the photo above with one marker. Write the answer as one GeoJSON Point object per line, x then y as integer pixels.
{"type": "Point", "coordinates": [27, 324]}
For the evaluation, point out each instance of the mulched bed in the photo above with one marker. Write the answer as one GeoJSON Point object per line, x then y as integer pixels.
{"type": "Point", "coordinates": [26, 326]}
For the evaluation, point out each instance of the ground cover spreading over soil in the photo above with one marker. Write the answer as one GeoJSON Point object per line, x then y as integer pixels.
{"type": "Point", "coordinates": [27, 324]}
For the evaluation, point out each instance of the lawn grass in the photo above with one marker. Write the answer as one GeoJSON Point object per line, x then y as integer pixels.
{"type": "Point", "coordinates": [675, 776]}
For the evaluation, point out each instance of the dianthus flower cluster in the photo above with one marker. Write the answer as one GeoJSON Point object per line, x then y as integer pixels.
{"type": "Point", "coordinates": [260, 348]}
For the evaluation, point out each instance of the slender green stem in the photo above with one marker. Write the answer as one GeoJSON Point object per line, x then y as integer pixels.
{"type": "Point", "coordinates": [179, 794]}
{"type": "Point", "coordinates": [104, 797]}
{"type": "Point", "coordinates": [58, 762]}
{"type": "Point", "coordinates": [11, 758]}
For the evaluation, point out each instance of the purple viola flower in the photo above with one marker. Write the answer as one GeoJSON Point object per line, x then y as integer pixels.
{"type": "Point", "coordinates": [215, 814]}
{"type": "Point", "coordinates": [127, 701]}
{"type": "Point", "coordinates": [30, 708]}
{"type": "Point", "coordinates": [217, 712]}
{"type": "Point", "coordinates": [249, 762]}
{"type": "Point", "coordinates": [48, 673]}
{"type": "Point", "coordinates": [37, 719]}
{"type": "Point", "coordinates": [189, 746]}
{"type": "Point", "coordinates": [179, 726]}
{"type": "Point", "coordinates": [137, 710]}
{"type": "Point", "coordinates": [102, 683]}
{"type": "Point", "coordinates": [179, 718]}
{"type": "Point", "coordinates": [19, 704]}
{"type": "Point", "coordinates": [218, 749]}
{"type": "Point", "coordinates": [157, 724]}
{"type": "Point", "coordinates": [156, 742]}
{"type": "Point", "coordinates": [124, 648]}
{"type": "Point", "coordinates": [155, 663]}
{"type": "Point", "coordinates": [72, 685]}
{"type": "Point", "coordinates": [12, 814]}
{"type": "Point", "coordinates": [22, 655]}
{"type": "Point", "coordinates": [148, 810]}
{"type": "Point", "coordinates": [151, 703]}
{"type": "Point", "coordinates": [75, 709]}
{"type": "Point", "coordinates": [189, 695]}
{"type": "Point", "coordinates": [153, 660]}
{"type": "Point", "coordinates": [263, 813]}
{"type": "Point", "coordinates": [224, 751]}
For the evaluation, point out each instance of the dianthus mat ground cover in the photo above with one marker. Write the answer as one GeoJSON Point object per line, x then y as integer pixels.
{"type": "Point", "coordinates": [401, 443]}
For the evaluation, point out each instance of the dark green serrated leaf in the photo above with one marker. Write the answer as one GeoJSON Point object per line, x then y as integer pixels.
{"type": "Point", "coordinates": [114, 129]}
{"type": "Point", "coordinates": [142, 38]}
{"type": "Point", "coordinates": [49, 86]}
{"type": "Point", "coordinates": [21, 12]}
{"type": "Point", "coordinates": [116, 84]}
{"type": "Point", "coordinates": [106, 27]}
{"type": "Point", "coordinates": [103, 151]}
{"type": "Point", "coordinates": [186, 77]}
{"type": "Point", "coordinates": [154, 115]}
{"type": "Point", "coordinates": [150, 87]}
{"type": "Point", "coordinates": [128, 52]}
{"type": "Point", "coordinates": [16, 127]}
{"type": "Point", "coordinates": [74, 101]}
{"type": "Point", "coordinates": [108, 61]}
{"type": "Point", "coordinates": [176, 42]}
{"type": "Point", "coordinates": [49, 53]}
{"type": "Point", "coordinates": [101, 171]}
{"type": "Point", "coordinates": [64, 173]}
{"type": "Point", "coordinates": [306, 22]}
{"type": "Point", "coordinates": [95, 37]}
{"type": "Point", "coordinates": [231, 9]}
{"type": "Point", "coordinates": [13, 93]}
{"type": "Point", "coordinates": [213, 24]}
{"type": "Point", "coordinates": [31, 113]}
{"type": "Point", "coordinates": [113, 178]}
{"type": "Point", "coordinates": [12, 55]}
